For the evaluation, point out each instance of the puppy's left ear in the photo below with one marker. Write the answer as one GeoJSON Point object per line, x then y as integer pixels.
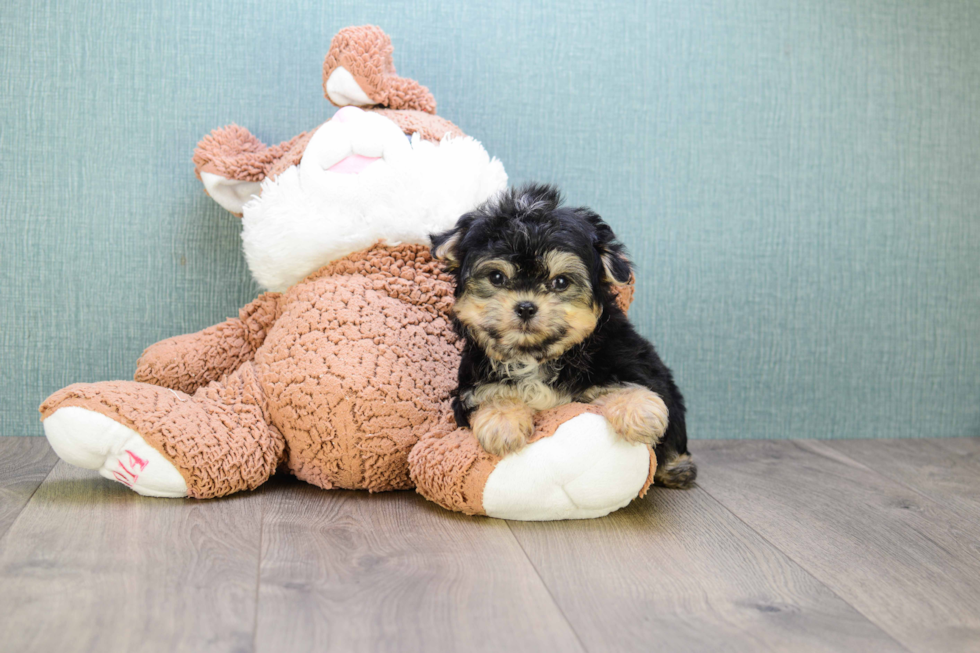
{"type": "Point", "coordinates": [617, 267]}
{"type": "Point", "coordinates": [619, 271]}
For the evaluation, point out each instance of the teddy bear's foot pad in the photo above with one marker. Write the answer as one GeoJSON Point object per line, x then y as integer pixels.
{"type": "Point", "coordinates": [88, 439]}
{"type": "Point", "coordinates": [582, 471]}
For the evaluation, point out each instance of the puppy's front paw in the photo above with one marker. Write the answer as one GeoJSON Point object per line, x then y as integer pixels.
{"type": "Point", "coordinates": [635, 413]}
{"type": "Point", "coordinates": [502, 427]}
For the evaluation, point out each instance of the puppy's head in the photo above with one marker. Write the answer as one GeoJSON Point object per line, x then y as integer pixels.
{"type": "Point", "coordinates": [532, 276]}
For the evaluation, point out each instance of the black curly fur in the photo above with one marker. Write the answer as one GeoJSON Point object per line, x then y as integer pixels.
{"type": "Point", "coordinates": [519, 226]}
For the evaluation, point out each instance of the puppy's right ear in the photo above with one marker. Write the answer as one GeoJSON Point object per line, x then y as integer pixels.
{"type": "Point", "coordinates": [446, 246]}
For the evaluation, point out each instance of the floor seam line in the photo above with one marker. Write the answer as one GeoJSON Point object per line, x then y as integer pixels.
{"type": "Point", "coordinates": [889, 477]}
{"type": "Point", "coordinates": [258, 577]}
{"type": "Point", "coordinates": [916, 491]}
{"type": "Point", "coordinates": [28, 502]}
{"type": "Point", "coordinates": [547, 589]}
{"type": "Point", "coordinates": [805, 570]}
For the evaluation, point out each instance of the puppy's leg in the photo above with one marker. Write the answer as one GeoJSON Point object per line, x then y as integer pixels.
{"type": "Point", "coordinates": [636, 413]}
{"type": "Point", "coordinates": [502, 426]}
{"type": "Point", "coordinates": [677, 470]}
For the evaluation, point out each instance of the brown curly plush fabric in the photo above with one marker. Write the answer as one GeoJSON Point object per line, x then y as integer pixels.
{"type": "Point", "coordinates": [219, 439]}
{"type": "Point", "coordinates": [365, 52]}
{"type": "Point", "coordinates": [234, 153]}
{"type": "Point", "coordinates": [450, 467]}
{"type": "Point", "coordinates": [361, 363]}
{"type": "Point", "coordinates": [337, 378]}
{"type": "Point", "coordinates": [428, 126]}
{"type": "Point", "coordinates": [190, 361]}
{"type": "Point", "coordinates": [624, 295]}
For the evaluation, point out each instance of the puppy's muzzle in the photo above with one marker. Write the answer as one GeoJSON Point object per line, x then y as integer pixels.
{"type": "Point", "coordinates": [526, 310]}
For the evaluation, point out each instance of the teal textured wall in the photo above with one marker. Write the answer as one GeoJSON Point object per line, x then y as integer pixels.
{"type": "Point", "coordinates": [798, 182]}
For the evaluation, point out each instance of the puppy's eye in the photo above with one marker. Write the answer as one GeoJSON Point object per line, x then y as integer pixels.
{"type": "Point", "coordinates": [497, 278]}
{"type": "Point", "coordinates": [560, 283]}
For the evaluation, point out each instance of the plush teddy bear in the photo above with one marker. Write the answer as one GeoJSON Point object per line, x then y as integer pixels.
{"type": "Point", "coordinates": [342, 373]}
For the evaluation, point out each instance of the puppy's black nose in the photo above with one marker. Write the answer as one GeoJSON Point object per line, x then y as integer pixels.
{"type": "Point", "coordinates": [526, 310]}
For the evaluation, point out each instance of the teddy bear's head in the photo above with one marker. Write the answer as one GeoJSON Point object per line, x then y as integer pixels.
{"type": "Point", "coordinates": [384, 168]}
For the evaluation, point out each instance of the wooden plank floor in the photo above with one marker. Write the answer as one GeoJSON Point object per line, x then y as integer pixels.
{"type": "Point", "coordinates": [783, 546]}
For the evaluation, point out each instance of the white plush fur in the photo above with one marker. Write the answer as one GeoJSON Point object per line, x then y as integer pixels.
{"type": "Point", "coordinates": [584, 470]}
{"type": "Point", "coordinates": [91, 440]}
{"type": "Point", "coordinates": [308, 216]}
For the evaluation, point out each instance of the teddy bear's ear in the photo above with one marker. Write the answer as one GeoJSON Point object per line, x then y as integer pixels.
{"type": "Point", "coordinates": [232, 194]}
{"type": "Point", "coordinates": [359, 70]}
{"type": "Point", "coordinates": [231, 164]}
{"type": "Point", "coordinates": [343, 90]}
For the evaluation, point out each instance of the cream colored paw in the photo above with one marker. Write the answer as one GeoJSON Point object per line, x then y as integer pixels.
{"type": "Point", "coordinates": [91, 440]}
{"type": "Point", "coordinates": [582, 471]}
{"type": "Point", "coordinates": [502, 427]}
{"type": "Point", "coordinates": [636, 413]}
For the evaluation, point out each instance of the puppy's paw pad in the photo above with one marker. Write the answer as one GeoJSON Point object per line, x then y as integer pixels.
{"type": "Point", "coordinates": [636, 414]}
{"type": "Point", "coordinates": [502, 429]}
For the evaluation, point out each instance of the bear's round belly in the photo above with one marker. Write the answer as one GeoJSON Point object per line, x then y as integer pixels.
{"type": "Point", "coordinates": [354, 376]}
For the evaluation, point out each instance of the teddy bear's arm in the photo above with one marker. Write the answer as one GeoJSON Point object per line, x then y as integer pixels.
{"type": "Point", "coordinates": [624, 294]}
{"type": "Point", "coordinates": [190, 361]}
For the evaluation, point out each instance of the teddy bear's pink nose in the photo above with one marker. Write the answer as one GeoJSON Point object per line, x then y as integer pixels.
{"type": "Point", "coordinates": [347, 113]}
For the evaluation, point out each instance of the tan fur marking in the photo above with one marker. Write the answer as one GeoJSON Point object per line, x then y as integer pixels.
{"type": "Point", "coordinates": [502, 426]}
{"type": "Point", "coordinates": [488, 312]}
{"type": "Point", "coordinates": [636, 413]}
{"type": "Point", "coordinates": [483, 267]}
{"type": "Point", "coordinates": [565, 263]}
{"type": "Point", "coordinates": [610, 277]}
{"type": "Point", "coordinates": [581, 321]}
{"type": "Point", "coordinates": [496, 314]}
{"type": "Point", "coordinates": [445, 251]}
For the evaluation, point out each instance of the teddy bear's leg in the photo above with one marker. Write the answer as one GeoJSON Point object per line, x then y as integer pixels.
{"type": "Point", "coordinates": [90, 440]}
{"type": "Point", "coordinates": [218, 440]}
{"type": "Point", "coordinates": [574, 467]}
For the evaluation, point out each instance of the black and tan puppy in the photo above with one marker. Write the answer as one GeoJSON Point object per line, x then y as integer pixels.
{"type": "Point", "coordinates": [536, 307]}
